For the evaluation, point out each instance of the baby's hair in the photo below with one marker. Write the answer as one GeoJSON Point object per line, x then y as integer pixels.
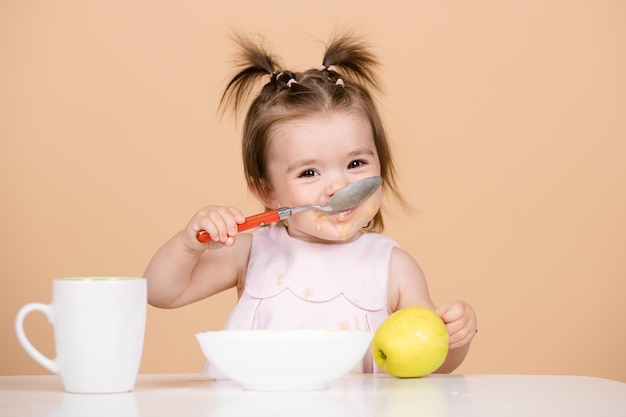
{"type": "Point", "coordinates": [341, 83]}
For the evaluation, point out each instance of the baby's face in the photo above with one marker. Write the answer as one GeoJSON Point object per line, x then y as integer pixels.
{"type": "Point", "coordinates": [310, 160]}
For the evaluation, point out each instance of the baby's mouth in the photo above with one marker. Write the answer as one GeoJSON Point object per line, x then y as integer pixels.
{"type": "Point", "coordinates": [338, 217]}
{"type": "Point", "coordinates": [342, 215]}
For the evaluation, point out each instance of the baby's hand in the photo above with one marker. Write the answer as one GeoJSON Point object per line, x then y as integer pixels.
{"type": "Point", "coordinates": [219, 222]}
{"type": "Point", "coordinates": [460, 321]}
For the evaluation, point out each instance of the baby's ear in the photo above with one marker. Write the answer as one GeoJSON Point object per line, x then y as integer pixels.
{"type": "Point", "coordinates": [263, 191]}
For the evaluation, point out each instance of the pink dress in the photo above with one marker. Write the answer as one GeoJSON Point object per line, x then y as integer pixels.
{"type": "Point", "coordinates": [294, 284]}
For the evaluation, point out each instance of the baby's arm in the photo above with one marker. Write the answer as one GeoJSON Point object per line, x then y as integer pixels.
{"type": "Point", "coordinates": [184, 270]}
{"type": "Point", "coordinates": [408, 287]}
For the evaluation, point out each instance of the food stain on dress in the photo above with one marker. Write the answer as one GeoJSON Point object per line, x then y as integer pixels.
{"type": "Point", "coordinates": [280, 279]}
{"type": "Point", "coordinates": [307, 293]}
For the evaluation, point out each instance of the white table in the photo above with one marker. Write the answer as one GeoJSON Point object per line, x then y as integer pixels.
{"type": "Point", "coordinates": [182, 395]}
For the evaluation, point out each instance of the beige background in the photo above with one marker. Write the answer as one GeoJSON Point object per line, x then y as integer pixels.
{"type": "Point", "coordinates": [508, 121]}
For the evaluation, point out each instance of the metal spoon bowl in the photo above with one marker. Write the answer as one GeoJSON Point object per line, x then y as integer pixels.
{"type": "Point", "coordinates": [347, 198]}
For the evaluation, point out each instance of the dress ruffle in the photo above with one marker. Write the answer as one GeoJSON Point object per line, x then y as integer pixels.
{"type": "Point", "coordinates": [318, 273]}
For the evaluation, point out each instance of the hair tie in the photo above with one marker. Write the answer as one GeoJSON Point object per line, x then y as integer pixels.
{"type": "Point", "coordinates": [340, 82]}
{"type": "Point", "coordinates": [328, 68]}
{"type": "Point", "coordinates": [275, 76]}
{"type": "Point", "coordinates": [291, 81]}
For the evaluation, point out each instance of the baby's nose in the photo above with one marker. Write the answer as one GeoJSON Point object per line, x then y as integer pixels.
{"type": "Point", "coordinates": [335, 186]}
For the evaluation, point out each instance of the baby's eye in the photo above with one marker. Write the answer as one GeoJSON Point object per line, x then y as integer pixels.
{"type": "Point", "coordinates": [356, 164]}
{"type": "Point", "coordinates": [308, 173]}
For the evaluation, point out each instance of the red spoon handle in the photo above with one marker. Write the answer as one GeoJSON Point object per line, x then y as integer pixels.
{"type": "Point", "coordinates": [251, 222]}
{"type": "Point", "coordinates": [259, 220]}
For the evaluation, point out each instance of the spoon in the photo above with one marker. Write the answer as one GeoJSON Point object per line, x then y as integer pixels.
{"type": "Point", "coordinates": [347, 198]}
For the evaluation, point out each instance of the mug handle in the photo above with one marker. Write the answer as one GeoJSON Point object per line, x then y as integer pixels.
{"type": "Point", "coordinates": [50, 364]}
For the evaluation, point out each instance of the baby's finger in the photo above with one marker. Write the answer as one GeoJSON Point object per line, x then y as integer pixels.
{"type": "Point", "coordinates": [236, 218]}
{"type": "Point", "coordinates": [454, 327]}
{"type": "Point", "coordinates": [207, 233]}
{"type": "Point", "coordinates": [217, 223]}
{"type": "Point", "coordinates": [462, 337]}
{"type": "Point", "coordinates": [451, 312]}
{"type": "Point", "coordinates": [462, 331]}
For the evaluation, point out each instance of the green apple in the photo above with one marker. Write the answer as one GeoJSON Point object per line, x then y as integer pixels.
{"type": "Point", "coordinates": [410, 343]}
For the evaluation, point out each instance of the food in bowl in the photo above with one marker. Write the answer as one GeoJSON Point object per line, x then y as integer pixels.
{"type": "Point", "coordinates": [284, 360]}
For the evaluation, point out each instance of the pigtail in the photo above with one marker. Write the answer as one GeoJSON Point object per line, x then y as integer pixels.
{"type": "Point", "coordinates": [352, 57]}
{"type": "Point", "coordinates": [254, 61]}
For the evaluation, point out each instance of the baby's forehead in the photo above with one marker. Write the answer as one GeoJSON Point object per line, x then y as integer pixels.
{"type": "Point", "coordinates": [320, 126]}
{"type": "Point", "coordinates": [321, 118]}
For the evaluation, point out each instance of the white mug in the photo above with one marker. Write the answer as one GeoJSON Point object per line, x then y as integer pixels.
{"type": "Point", "coordinates": [99, 326]}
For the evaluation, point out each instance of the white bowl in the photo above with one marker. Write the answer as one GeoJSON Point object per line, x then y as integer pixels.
{"type": "Point", "coordinates": [284, 360]}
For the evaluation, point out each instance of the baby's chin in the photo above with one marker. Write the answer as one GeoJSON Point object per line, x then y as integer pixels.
{"type": "Point", "coordinates": [326, 236]}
